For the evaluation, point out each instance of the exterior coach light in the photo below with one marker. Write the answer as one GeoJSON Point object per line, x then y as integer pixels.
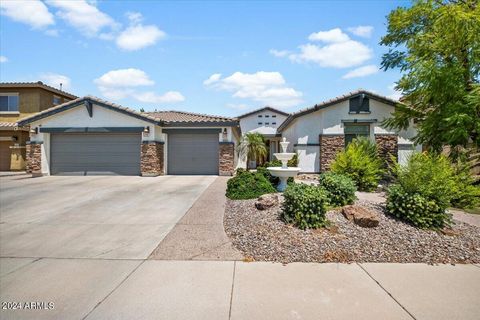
{"type": "Point", "coordinates": [146, 130]}
{"type": "Point", "coordinates": [34, 130]}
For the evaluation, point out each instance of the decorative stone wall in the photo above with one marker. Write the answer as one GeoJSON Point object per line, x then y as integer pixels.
{"type": "Point", "coordinates": [34, 159]}
{"type": "Point", "coordinates": [387, 145]}
{"type": "Point", "coordinates": [151, 162]}
{"type": "Point", "coordinates": [330, 145]}
{"type": "Point", "coordinates": [226, 158]}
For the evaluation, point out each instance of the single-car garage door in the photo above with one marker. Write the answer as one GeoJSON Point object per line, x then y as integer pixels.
{"type": "Point", "coordinates": [193, 152]}
{"type": "Point", "coordinates": [95, 153]}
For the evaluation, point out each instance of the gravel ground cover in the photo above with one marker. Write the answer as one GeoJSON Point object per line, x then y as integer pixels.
{"type": "Point", "coordinates": [262, 236]}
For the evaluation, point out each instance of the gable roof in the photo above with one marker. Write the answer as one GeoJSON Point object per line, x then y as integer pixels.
{"type": "Point", "coordinates": [38, 84]}
{"type": "Point", "coordinates": [334, 101]}
{"type": "Point", "coordinates": [163, 118]}
{"type": "Point", "coordinates": [262, 109]}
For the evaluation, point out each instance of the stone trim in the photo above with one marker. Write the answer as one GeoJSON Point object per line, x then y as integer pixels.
{"type": "Point", "coordinates": [151, 161]}
{"type": "Point", "coordinates": [226, 159]}
{"type": "Point", "coordinates": [330, 145]}
{"type": "Point", "coordinates": [34, 159]}
{"type": "Point", "coordinates": [387, 145]}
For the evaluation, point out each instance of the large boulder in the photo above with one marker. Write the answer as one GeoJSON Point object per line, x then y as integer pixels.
{"type": "Point", "coordinates": [266, 201]}
{"type": "Point", "coordinates": [361, 216]}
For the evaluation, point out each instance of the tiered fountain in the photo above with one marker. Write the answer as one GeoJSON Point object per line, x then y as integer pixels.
{"type": "Point", "coordinates": [284, 172]}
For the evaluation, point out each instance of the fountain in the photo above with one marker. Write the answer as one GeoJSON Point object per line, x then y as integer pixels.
{"type": "Point", "coordinates": [284, 172]}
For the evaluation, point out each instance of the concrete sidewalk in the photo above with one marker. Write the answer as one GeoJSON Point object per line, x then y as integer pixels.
{"type": "Point", "coordinates": [200, 235]}
{"type": "Point", "coordinates": [152, 289]}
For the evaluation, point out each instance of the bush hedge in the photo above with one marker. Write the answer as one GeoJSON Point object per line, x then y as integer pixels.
{"type": "Point", "coordinates": [360, 161]}
{"type": "Point", "coordinates": [248, 185]}
{"type": "Point", "coordinates": [305, 206]}
{"type": "Point", "coordinates": [340, 188]}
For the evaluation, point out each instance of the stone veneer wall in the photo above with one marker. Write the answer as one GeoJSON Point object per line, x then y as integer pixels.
{"type": "Point", "coordinates": [151, 162]}
{"type": "Point", "coordinates": [34, 159]}
{"type": "Point", "coordinates": [330, 145]}
{"type": "Point", "coordinates": [387, 145]}
{"type": "Point", "coordinates": [226, 158]}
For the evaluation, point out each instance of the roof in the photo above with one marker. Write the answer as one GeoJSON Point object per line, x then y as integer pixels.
{"type": "Point", "coordinates": [334, 101]}
{"type": "Point", "coordinates": [182, 117]}
{"type": "Point", "coordinates": [8, 124]}
{"type": "Point", "coordinates": [164, 118]}
{"type": "Point", "coordinates": [38, 84]}
{"type": "Point", "coordinates": [262, 109]}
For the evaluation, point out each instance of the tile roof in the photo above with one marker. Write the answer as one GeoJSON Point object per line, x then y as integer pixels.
{"type": "Point", "coordinates": [38, 84]}
{"type": "Point", "coordinates": [333, 101]}
{"type": "Point", "coordinates": [187, 117]}
{"type": "Point", "coordinates": [8, 124]}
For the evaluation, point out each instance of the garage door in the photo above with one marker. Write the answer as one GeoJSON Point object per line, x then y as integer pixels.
{"type": "Point", "coordinates": [192, 153]}
{"type": "Point", "coordinates": [95, 153]}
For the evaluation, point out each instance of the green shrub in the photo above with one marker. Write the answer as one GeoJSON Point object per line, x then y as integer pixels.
{"type": "Point", "coordinates": [293, 162]}
{"type": "Point", "coordinates": [248, 185]}
{"type": "Point", "coordinates": [466, 194]}
{"type": "Point", "coordinates": [416, 209]}
{"type": "Point", "coordinates": [263, 171]}
{"type": "Point", "coordinates": [305, 206]}
{"type": "Point", "coordinates": [340, 188]}
{"type": "Point", "coordinates": [361, 163]}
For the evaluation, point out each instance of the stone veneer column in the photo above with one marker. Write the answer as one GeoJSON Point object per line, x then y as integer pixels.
{"type": "Point", "coordinates": [387, 145]}
{"type": "Point", "coordinates": [151, 162]}
{"type": "Point", "coordinates": [34, 158]}
{"type": "Point", "coordinates": [226, 158]}
{"type": "Point", "coordinates": [330, 145]}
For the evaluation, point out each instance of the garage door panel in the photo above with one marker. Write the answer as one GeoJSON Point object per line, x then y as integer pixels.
{"type": "Point", "coordinates": [95, 154]}
{"type": "Point", "coordinates": [193, 153]}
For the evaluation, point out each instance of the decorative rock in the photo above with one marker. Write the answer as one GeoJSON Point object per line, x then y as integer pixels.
{"type": "Point", "coordinates": [360, 216]}
{"type": "Point", "coordinates": [266, 201]}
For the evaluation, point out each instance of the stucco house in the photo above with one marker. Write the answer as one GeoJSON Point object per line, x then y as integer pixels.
{"type": "Point", "coordinates": [89, 136]}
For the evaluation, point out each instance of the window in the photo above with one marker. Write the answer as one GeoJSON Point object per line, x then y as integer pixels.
{"type": "Point", "coordinates": [267, 123]}
{"type": "Point", "coordinates": [260, 123]}
{"type": "Point", "coordinates": [359, 104]}
{"type": "Point", "coordinates": [353, 131]}
{"type": "Point", "coordinates": [56, 100]}
{"type": "Point", "coordinates": [9, 102]}
{"type": "Point", "coordinates": [274, 116]}
{"type": "Point", "coordinates": [266, 116]}
{"type": "Point", "coordinates": [259, 115]}
{"type": "Point", "coordinates": [274, 123]}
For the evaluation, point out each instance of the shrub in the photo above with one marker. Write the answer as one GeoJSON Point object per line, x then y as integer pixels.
{"type": "Point", "coordinates": [305, 206]}
{"type": "Point", "coordinates": [263, 171]}
{"type": "Point", "coordinates": [466, 194]}
{"type": "Point", "coordinates": [340, 188]}
{"type": "Point", "coordinates": [248, 185]}
{"type": "Point", "coordinates": [416, 209]}
{"type": "Point", "coordinates": [294, 161]}
{"type": "Point", "coordinates": [361, 163]}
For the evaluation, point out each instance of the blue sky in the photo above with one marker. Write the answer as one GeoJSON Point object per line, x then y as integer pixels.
{"type": "Point", "coordinates": [218, 57]}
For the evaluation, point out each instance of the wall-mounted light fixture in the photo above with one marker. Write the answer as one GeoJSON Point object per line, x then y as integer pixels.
{"type": "Point", "coordinates": [224, 134]}
{"type": "Point", "coordinates": [34, 130]}
{"type": "Point", "coordinates": [146, 129]}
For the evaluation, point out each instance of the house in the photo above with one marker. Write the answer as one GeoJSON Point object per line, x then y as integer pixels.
{"type": "Point", "coordinates": [318, 133]}
{"type": "Point", "coordinates": [89, 136]}
{"type": "Point", "coordinates": [17, 101]}
{"type": "Point", "coordinates": [266, 122]}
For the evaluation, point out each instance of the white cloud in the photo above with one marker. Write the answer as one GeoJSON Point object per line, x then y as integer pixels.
{"type": "Point", "coordinates": [239, 107]}
{"type": "Point", "coordinates": [3, 59]}
{"type": "Point", "coordinates": [279, 53]}
{"type": "Point", "coordinates": [362, 31]}
{"type": "Point", "coordinates": [124, 83]}
{"type": "Point", "coordinates": [394, 93]}
{"type": "Point", "coordinates": [55, 79]}
{"type": "Point", "coordinates": [52, 32]}
{"type": "Point", "coordinates": [83, 15]}
{"type": "Point", "coordinates": [361, 72]}
{"type": "Point", "coordinates": [134, 17]}
{"type": "Point", "coordinates": [330, 36]}
{"type": "Point", "coordinates": [137, 37]}
{"type": "Point", "coordinates": [33, 12]}
{"type": "Point", "coordinates": [266, 87]}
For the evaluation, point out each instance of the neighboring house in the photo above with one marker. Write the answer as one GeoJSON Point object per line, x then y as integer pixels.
{"type": "Point", "coordinates": [88, 136]}
{"type": "Point", "coordinates": [317, 134]}
{"type": "Point", "coordinates": [264, 121]}
{"type": "Point", "coordinates": [19, 100]}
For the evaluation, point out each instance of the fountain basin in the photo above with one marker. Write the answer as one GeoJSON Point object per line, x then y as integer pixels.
{"type": "Point", "coordinates": [284, 156]}
{"type": "Point", "coordinates": [283, 174]}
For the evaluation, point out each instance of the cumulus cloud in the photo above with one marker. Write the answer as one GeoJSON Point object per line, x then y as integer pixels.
{"type": "Point", "coordinates": [361, 72]}
{"type": "Point", "coordinates": [266, 87]}
{"type": "Point", "coordinates": [331, 36]}
{"type": "Point", "coordinates": [279, 53]}
{"type": "Point", "coordinates": [31, 12]}
{"type": "Point", "coordinates": [362, 31]}
{"type": "Point", "coordinates": [83, 16]}
{"type": "Point", "coordinates": [138, 36]}
{"type": "Point", "coordinates": [55, 79]}
{"type": "Point", "coordinates": [3, 59]}
{"type": "Point", "coordinates": [125, 83]}
{"type": "Point", "coordinates": [239, 106]}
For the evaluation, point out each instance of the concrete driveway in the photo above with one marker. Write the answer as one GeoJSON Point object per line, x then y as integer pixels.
{"type": "Point", "coordinates": [92, 217]}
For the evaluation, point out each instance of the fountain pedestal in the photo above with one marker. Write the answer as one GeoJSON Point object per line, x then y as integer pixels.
{"type": "Point", "coordinates": [284, 172]}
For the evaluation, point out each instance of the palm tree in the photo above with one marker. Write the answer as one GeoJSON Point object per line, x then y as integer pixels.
{"type": "Point", "coordinates": [253, 146]}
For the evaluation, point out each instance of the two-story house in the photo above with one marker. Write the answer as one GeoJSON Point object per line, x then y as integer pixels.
{"type": "Point", "coordinates": [19, 100]}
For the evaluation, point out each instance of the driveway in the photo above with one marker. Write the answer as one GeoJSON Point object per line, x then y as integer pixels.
{"type": "Point", "coordinates": [92, 217]}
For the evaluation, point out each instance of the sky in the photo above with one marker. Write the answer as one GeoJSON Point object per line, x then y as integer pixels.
{"type": "Point", "coordinates": [213, 57]}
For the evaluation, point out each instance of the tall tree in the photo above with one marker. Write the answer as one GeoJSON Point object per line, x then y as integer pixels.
{"type": "Point", "coordinates": [436, 46]}
{"type": "Point", "coordinates": [252, 146]}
